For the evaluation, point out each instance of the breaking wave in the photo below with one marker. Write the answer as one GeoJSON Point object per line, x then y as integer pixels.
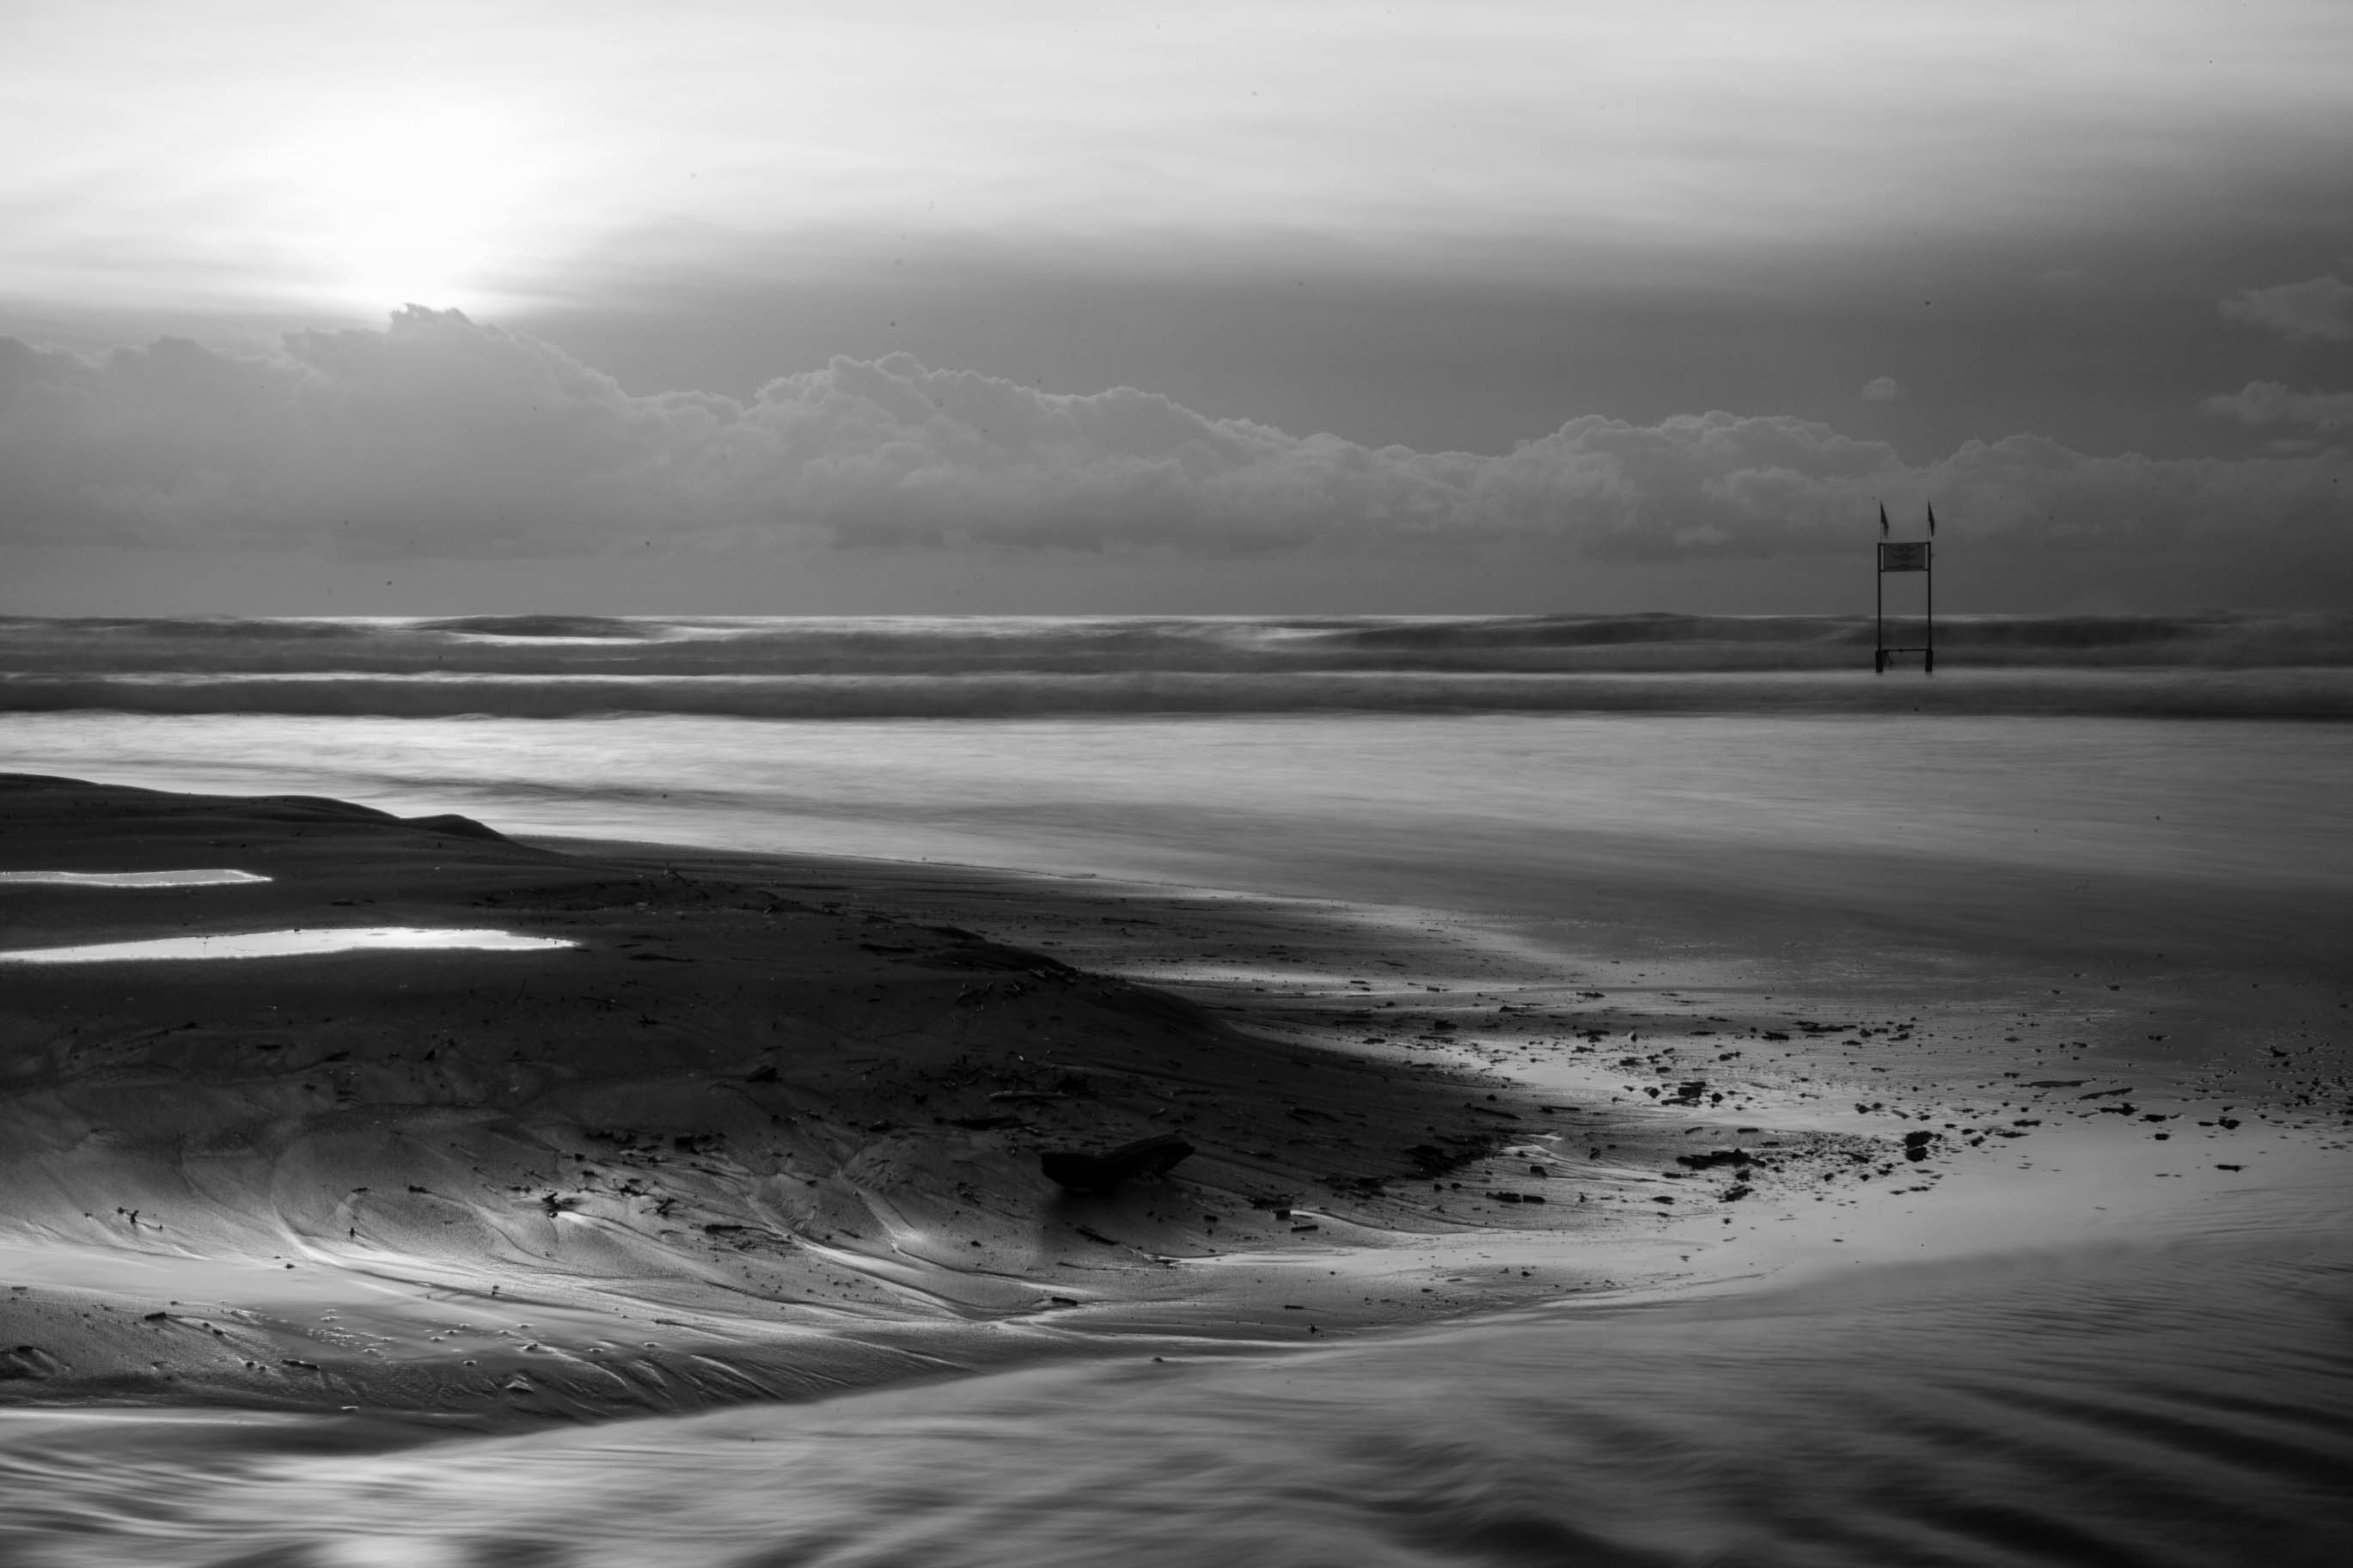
{"type": "Point", "coordinates": [550, 666]}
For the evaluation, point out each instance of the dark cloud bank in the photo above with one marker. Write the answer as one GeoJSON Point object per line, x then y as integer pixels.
{"type": "Point", "coordinates": [441, 437]}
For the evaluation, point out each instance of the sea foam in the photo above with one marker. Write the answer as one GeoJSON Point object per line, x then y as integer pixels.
{"type": "Point", "coordinates": [946, 667]}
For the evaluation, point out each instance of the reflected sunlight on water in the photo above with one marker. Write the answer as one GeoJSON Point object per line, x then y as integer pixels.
{"type": "Point", "coordinates": [2233, 799]}
{"type": "Point", "coordinates": [297, 942]}
{"type": "Point", "coordinates": [206, 878]}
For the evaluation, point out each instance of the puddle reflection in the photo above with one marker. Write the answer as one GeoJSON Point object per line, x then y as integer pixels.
{"type": "Point", "coordinates": [207, 877]}
{"type": "Point", "coordinates": [296, 942]}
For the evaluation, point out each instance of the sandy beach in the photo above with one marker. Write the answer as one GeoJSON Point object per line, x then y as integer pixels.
{"type": "Point", "coordinates": [765, 1129]}
{"type": "Point", "coordinates": [1424, 786]}
{"type": "Point", "coordinates": [749, 1137]}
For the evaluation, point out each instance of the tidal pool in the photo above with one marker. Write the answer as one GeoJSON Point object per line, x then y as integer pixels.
{"type": "Point", "coordinates": [292, 943]}
{"type": "Point", "coordinates": [206, 877]}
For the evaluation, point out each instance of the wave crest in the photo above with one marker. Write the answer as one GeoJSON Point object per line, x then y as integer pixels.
{"type": "Point", "coordinates": [562, 664]}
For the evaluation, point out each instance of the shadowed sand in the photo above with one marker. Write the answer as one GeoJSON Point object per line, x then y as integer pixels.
{"type": "Point", "coordinates": [735, 1143]}
{"type": "Point", "coordinates": [773, 1128]}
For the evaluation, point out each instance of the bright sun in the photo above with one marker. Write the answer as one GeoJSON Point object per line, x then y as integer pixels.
{"type": "Point", "coordinates": [420, 206]}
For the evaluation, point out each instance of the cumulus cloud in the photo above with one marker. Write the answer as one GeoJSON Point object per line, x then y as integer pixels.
{"type": "Point", "coordinates": [1882, 389]}
{"type": "Point", "coordinates": [441, 437]}
{"type": "Point", "coordinates": [2270, 402]}
{"type": "Point", "coordinates": [2317, 308]}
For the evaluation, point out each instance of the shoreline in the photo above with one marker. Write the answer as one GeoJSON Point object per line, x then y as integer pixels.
{"type": "Point", "coordinates": [780, 1117]}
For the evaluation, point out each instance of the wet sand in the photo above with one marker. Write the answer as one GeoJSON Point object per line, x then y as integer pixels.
{"type": "Point", "coordinates": [771, 1128]}
{"type": "Point", "coordinates": [749, 1138]}
{"type": "Point", "coordinates": [2178, 1405]}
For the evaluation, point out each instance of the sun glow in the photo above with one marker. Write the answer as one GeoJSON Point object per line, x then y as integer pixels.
{"type": "Point", "coordinates": [364, 155]}
{"type": "Point", "coordinates": [424, 204]}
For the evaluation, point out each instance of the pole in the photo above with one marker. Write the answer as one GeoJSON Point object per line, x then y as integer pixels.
{"type": "Point", "coordinates": [1929, 655]}
{"type": "Point", "coordinates": [1879, 610]}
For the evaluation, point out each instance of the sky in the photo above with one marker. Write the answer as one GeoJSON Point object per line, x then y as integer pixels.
{"type": "Point", "coordinates": [1305, 307]}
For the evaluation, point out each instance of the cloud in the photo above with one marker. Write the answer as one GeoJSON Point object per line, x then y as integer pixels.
{"type": "Point", "coordinates": [441, 438]}
{"type": "Point", "coordinates": [2270, 402]}
{"type": "Point", "coordinates": [2317, 308]}
{"type": "Point", "coordinates": [1882, 389]}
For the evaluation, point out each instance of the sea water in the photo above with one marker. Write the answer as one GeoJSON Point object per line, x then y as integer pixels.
{"type": "Point", "coordinates": [1295, 756]}
{"type": "Point", "coordinates": [2236, 832]}
{"type": "Point", "coordinates": [2182, 1400]}
{"type": "Point", "coordinates": [297, 942]}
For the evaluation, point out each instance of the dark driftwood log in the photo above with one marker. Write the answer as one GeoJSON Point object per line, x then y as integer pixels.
{"type": "Point", "coordinates": [1129, 1162]}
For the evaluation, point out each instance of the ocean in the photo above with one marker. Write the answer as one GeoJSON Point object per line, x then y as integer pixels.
{"type": "Point", "coordinates": [2168, 791]}
{"type": "Point", "coordinates": [2196, 765]}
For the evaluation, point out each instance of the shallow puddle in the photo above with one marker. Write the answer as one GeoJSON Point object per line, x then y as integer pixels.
{"type": "Point", "coordinates": [294, 944]}
{"type": "Point", "coordinates": [207, 877]}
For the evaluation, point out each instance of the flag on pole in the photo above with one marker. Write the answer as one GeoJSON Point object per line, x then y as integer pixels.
{"type": "Point", "coordinates": [1882, 519]}
{"type": "Point", "coordinates": [1932, 520]}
